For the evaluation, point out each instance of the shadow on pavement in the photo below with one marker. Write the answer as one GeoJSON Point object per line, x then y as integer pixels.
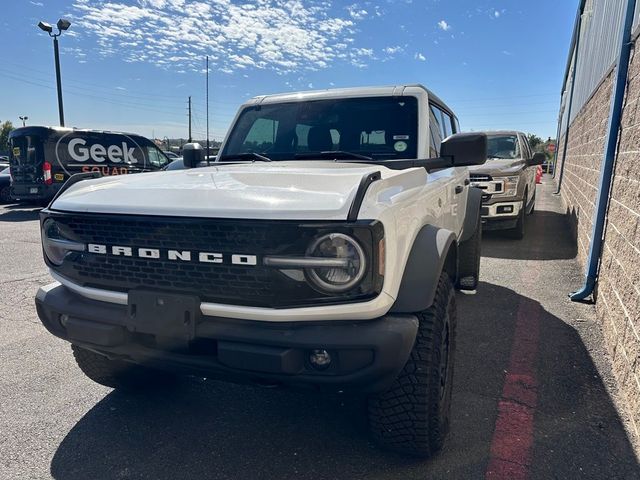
{"type": "Point", "coordinates": [207, 429]}
{"type": "Point", "coordinates": [19, 213]}
{"type": "Point", "coordinates": [545, 239]}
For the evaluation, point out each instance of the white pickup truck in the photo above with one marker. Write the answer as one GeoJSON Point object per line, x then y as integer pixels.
{"type": "Point", "coordinates": [321, 250]}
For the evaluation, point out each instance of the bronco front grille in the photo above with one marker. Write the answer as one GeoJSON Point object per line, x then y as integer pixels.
{"type": "Point", "coordinates": [255, 285]}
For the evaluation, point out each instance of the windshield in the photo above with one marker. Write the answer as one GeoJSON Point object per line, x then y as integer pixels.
{"type": "Point", "coordinates": [377, 127]}
{"type": "Point", "coordinates": [503, 147]}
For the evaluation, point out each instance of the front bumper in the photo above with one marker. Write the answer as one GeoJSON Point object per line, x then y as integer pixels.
{"type": "Point", "coordinates": [366, 355]}
{"type": "Point", "coordinates": [501, 215]}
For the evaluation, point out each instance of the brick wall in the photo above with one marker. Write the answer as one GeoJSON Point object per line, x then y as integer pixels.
{"type": "Point", "coordinates": [618, 291]}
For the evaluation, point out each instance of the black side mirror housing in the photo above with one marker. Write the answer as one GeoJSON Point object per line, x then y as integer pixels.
{"type": "Point", "coordinates": [465, 149]}
{"type": "Point", "coordinates": [537, 159]}
{"type": "Point", "coordinates": [192, 155]}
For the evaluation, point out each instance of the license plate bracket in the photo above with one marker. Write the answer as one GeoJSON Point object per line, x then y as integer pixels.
{"type": "Point", "coordinates": [163, 314]}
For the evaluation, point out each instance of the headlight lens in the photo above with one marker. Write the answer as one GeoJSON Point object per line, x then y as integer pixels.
{"type": "Point", "coordinates": [337, 279]}
{"type": "Point", "coordinates": [510, 186]}
{"type": "Point", "coordinates": [56, 242]}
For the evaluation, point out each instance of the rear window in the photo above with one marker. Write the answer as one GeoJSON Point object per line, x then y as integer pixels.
{"type": "Point", "coordinates": [379, 127]}
{"type": "Point", "coordinates": [26, 150]}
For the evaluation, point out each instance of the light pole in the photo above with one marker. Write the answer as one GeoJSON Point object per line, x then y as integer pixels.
{"type": "Point", "coordinates": [24, 119]}
{"type": "Point", "coordinates": [62, 26]}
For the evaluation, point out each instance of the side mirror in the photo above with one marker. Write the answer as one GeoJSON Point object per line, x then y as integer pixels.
{"type": "Point", "coordinates": [538, 159]}
{"type": "Point", "coordinates": [192, 155]}
{"type": "Point", "coordinates": [465, 149]}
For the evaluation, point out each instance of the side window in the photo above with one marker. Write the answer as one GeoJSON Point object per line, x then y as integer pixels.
{"type": "Point", "coordinates": [156, 158]}
{"type": "Point", "coordinates": [435, 132]}
{"type": "Point", "coordinates": [526, 142]}
{"type": "Point", "coordinates": [261, 136]}
{"type": "Point", "coordinates": [447, 123]}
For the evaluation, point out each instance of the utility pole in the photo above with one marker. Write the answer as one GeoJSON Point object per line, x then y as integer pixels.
{"type": "Point", "coordinates": [207, 109]}
{"type": "Point", "coordinates": [24, 120]}
{"type": "Point", "coordinates": [190, 139]}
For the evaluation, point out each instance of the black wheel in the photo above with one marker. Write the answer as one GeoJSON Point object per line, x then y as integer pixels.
{"type": "Point", "coordinates": [469, 260]}
{"type": "Point", "coordinates": [4, 195]}
{"type": "Point", "coordinates": [412, 417]}
{"type": "Point", "coordinates": [116, 373]}
{"type": "Point", "coordinates": [533, 204]}
{"type": "Point", "coordinates": [517, 233]}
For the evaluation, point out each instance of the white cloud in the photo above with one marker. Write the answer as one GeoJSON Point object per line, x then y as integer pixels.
{"type": "Point", "coordinates": [496, 13]}
{"type": "Point", "coordinates": [393, 50]}
{"type": "Point", "coordinates": [37, 4]}
{"type": "Point", "coordinates": [284, 36]}
{"type": "Point", "coordinates": [356, 12]}
{"type": "Point", "coordinates": [443, 25]}
{"type": "Point", "coordinates": [420, 56]}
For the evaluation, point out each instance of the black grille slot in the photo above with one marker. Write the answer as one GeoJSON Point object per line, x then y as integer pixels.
{"type": "Point", "coordinates": [254, 285]}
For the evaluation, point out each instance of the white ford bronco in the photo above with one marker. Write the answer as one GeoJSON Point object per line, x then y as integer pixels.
{"type": "Point", "coordinates": [320, 250]}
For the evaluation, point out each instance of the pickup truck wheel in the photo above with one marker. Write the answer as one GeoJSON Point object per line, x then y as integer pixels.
{"type": "Point", "coordinates": [116, 373]}
{"type": "Point", "coordinates": [517, 233]}
{"type": "Point", "coordinates": [469, 260]}
{"type": "Point", "coordinates": [412, 417]}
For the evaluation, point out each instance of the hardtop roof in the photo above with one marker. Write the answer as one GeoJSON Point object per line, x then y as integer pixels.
{"type": "Point", "coordinates": [384, 90]}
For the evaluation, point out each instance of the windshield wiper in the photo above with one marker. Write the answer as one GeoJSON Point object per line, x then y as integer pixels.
{"type": "Point", "coordinates": [245, 155]}
{"type": "Point", "coordinates": [333, 154]}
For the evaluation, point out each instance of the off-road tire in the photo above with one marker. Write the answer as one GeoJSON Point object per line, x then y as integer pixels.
{"type": "Point", "coordinates": [412, 417]}
{"type": "Point", "coordinates": [4, 195]}
{"type": "Point", "coordinates": [118, 374]}
{"type": "Point", "coordinates": [469, 260]}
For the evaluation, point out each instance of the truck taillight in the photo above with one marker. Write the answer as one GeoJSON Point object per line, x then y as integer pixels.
{"type": "Point", "coordinates": [46, 173]}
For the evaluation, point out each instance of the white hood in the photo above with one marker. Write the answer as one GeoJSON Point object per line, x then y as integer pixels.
{"type": "Point", "coordinates": [312, 190]}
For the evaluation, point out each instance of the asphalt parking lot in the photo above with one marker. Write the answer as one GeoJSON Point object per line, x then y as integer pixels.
{"type": "Point", "coordinates": [533, 391]}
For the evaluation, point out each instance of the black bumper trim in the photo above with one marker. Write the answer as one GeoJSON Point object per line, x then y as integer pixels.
{"type": "Point", "coordinates": [367, 355]}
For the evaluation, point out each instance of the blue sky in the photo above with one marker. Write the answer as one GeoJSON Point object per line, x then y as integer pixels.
{"type": "Point", "coordinates": [131, 64]}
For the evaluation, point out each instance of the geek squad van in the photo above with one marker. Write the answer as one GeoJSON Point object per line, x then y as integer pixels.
{"type": "Point", "coordinates": [43, 158]}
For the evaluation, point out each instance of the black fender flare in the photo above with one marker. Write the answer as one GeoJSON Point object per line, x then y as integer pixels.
{"type": "Point", "coordinates": [472, 214]}
{"type": "Point", "coordinates": [426, 261]}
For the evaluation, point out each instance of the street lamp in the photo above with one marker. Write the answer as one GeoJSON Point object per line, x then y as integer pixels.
{"type": "Point", "coordinates": [24, 119]}
{"type": "Point", "coordinates": [62, 25]}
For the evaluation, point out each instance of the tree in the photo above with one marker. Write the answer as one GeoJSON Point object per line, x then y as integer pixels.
{"type": "Point", "coordinates": [5, 130]}
{"type": "Point", "coordinates": [535, 142]}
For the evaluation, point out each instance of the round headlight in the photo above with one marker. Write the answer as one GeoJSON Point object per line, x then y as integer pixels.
{"type": "Point", "coordinates": [337, 279]}
{"type": "Point", "coordinates": [56, 243]}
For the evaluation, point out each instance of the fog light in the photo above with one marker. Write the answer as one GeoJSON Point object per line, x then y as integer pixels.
{"type": "Point", "coordinates": [505, 209]}
{"type": "Point", "coordinates": [320, 359]}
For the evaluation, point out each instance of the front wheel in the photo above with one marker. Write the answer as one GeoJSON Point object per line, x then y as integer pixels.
{"type": "Point", "coordinates": [517, 233]}
{"type": "Point", "coordinates": [412, 417]}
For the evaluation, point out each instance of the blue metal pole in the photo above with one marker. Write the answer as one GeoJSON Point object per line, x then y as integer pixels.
{"type": "Point", "coordinates": [573, 84]}
{"type": "Point", "coordinates": [606, 171]}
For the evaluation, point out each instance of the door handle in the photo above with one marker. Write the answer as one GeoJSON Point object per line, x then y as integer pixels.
{"type": "Point", "coordinates": [459, 189]}
{"type": "Point", "coordinates": [467, 181]}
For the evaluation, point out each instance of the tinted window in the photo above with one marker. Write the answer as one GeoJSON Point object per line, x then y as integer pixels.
{"type": "Point", "coordinates": [26, 150]}
{"type": "Point", "coordinates": [503, 147]}
{"type": "Point", "coordinates": [435, 132]}
{"type": "Point", "coordinates": [380, 127]}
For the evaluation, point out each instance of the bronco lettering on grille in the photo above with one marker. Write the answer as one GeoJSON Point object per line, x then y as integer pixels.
{"type": "Point", "coordinates": [173, 255]}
